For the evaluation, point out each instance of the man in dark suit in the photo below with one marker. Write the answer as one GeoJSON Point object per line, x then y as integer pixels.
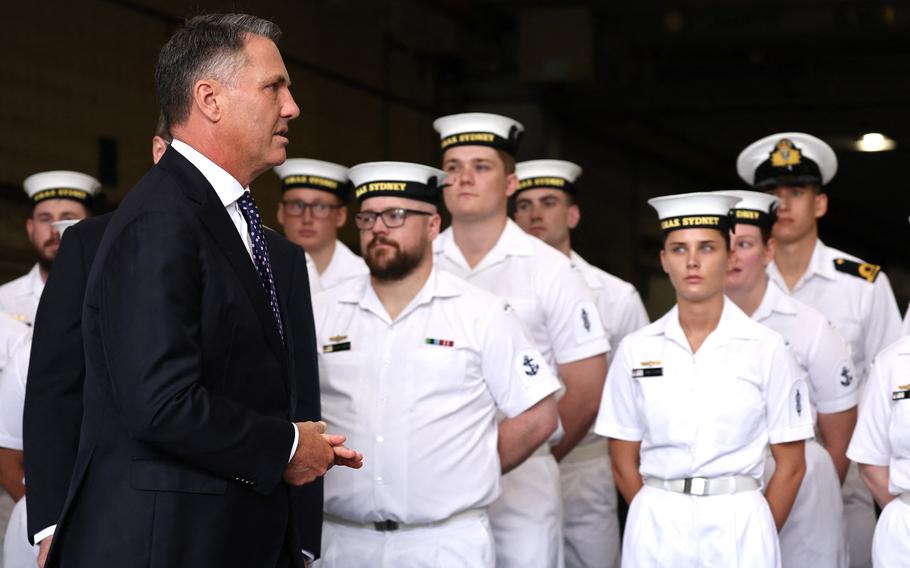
{"type": "Point", "coordinates": [198, 337]}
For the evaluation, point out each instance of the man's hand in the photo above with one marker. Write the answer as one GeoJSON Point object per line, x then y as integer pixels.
{"type": "Point", "coordinates": [344, 456]}
{"type": "Point", "coordinates": [43, 548]}
{"type": "Point", "coordinates": [314, 455]}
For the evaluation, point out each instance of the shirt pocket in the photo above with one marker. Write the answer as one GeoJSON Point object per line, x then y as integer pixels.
{"type": "Point", "coordinates": [435, 377]}
{"type": "Point", "coordinates": [344, 381]}
{"type": "Point", "coordinates": [664, 402]}
{"type": "Point", "coordinates": [735, 405]}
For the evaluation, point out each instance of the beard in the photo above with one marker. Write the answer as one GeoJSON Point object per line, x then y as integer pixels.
{"type": "Point", "coordinates": [393, 265]}
{"type": "Point", "coordinates": [46, 255]}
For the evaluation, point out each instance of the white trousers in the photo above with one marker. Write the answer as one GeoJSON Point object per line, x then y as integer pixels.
{"type": "Point", "coordinates": [590, 520]}
{"type": "Point", "coordinates": [815, 532]}
{"type": "Point", "coordinates": [460, 543]}
{"type": "Point", "coordinates": [527, 517]}
{"type": "Point", "coordinates": [17, 551]}
{"type": "Point", "coordinates": [674, 530]}
{"type": "Point", "coordinates": [891, 544]}
{"type": "Point", "coordinates": [859, 513]}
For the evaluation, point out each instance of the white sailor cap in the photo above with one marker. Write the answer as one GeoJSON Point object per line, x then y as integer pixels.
{"type": "Point", "coordinates": [550, 174]}
{"type": "Point", "coordinates": [61, 184]}
{"type": "Point", "coordinates": [314, 174]}
{"type": "Point", "coordinates": [793, 158]}
{"type": "Point", "coordinates": [397, 179]}
{"type": "Point", "coordinates": [702, 210]}
{"type": "Point", "coordinates": [754, 208]}
{"type": "Point", "coordinates": [479, 129]}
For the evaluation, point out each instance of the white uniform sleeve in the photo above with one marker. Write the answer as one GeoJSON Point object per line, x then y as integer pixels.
{"type": "Point", "coordinates": [787, 403]}
{"type": "Point", "coordinates": [619, 416]}
{"type": "Point", "coordinates": [835, 382]}
{"type": "Point", "coordinates": [573, 322]}
{"type": "Point", "coordinates": [870, 443]}
{"type": "Point", "coordinates": [12, 398]}
{"type": "Point", "coordinates": [884, 319]}
{"type": "Point", "coordinates": [515, 372]}
{"type": "Point", "coordinates": [631, 316]}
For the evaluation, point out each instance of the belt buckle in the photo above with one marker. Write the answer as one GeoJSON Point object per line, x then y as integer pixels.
{"type": "Point", "coordinates": [385, 526]}
{"type": "Point", "coordinates": [695, 486]}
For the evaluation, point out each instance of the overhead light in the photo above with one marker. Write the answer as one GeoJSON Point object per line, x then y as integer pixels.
{"type": "Point", "coordinates": [875, 142]}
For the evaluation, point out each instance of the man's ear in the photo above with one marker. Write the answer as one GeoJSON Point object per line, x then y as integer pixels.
{"type": "Point", "coordinates": [821, 205]}
{"type": "Point", "coordinates": [207, 97]}
{"type": "Point", "coordinates": [341, 216]}
{"type": "Point", "coordinates": [512, 184]}
{"type": "Point", "coordinates": [573, 216]}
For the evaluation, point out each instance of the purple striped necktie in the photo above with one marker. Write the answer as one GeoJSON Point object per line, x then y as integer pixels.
{"type": "Point", "coordinates": [261, 254]}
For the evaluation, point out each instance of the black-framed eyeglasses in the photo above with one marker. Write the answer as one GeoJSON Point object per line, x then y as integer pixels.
{"type": "Point", "coordinates": [319, 209]}
{"type": "Point", "coordinates": [391, 218]}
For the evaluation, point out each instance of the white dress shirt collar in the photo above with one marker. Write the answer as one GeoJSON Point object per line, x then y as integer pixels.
{"type": "Point", "coordinates": [228, 189]}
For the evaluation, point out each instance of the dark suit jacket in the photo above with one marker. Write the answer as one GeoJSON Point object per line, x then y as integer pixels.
{"type": "Point", "coordinates": [189, 391]}
{"type": "Point", "coordinates": [56, 372]}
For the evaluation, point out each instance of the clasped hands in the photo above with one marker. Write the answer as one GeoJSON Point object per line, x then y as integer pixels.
{"type": "Point", "coordinates": [317, 452]}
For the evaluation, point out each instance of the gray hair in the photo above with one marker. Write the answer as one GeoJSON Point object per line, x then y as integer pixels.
{"type": "Point", "coordinates": [209, 46]}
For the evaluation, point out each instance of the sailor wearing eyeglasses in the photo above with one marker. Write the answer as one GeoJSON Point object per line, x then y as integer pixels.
{"type": "Point", "coordinates": [312, 209]}
{"type": "Point", "coordinates": [415, 363]}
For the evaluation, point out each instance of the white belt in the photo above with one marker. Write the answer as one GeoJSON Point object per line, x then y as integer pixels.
{"type": "Point", "coordinates": [589, 451]}
{"type": "Point", "coordinates": [705, 486]}
{"type": "Point", "coordinates": [385, 526]}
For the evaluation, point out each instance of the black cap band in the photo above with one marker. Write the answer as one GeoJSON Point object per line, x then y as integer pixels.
{"type": "Point", "coordinates": [341, 189]}
{"type": "Point", "coordinates": [63, 193]}
{"type": "Point", "coordinates": [508, 145]}
{"type": "Point", "coordinates": [428, 192]}
{"type": "Point", "coordinates": [719, 222]}
{"type": "Point", "coordinates": [546, 182]}
{"type": "Point", "coordinates": [786, 165]}
{"type": "Point", "coordinates": [755, 217]}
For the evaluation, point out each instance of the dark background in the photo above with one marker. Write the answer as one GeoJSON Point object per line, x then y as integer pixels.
{"type": "Point", "coordinates": [650, 98]}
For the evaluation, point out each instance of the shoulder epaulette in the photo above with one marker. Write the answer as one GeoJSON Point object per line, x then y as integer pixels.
{"type": "Point", "coordinates": [864, 270]}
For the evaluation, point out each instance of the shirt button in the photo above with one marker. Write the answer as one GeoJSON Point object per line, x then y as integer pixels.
{"type": "Point", "coordinates": [379, 479]}
{"type": "Point", "coordinates": [380, 439]}
{"type": "Point", "coordinates": [386, 362]}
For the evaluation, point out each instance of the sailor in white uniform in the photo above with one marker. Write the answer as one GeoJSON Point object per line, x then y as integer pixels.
{"type": "Point", "coordinates": [312, 209]}
{"type": "Point", "coordinates": [55, 196]}
{"type": "Point", "coordinates": [814, 534]}
{"type": "Point", "coordinates": [691, 404]}
{"type": "Point", "coordinates": [17, 551]}
{"type": "Point", "coordinates": [854, 295]}
{"type": "Point", "coordinates": [546, 206]}
{"type": "Point", "coordinates": [415, 363]}
{"type": "Point", "coordinates": [881, 447]}
{"type": "Point", "coordinates": [486, 248]}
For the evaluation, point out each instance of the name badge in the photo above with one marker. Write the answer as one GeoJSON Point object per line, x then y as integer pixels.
{"type": "Point", "coordinates": [648, 372]}
{"type": "Point", "coordinates": [336, 347]}
{"type": "Point", "coordinates": [900, 395]}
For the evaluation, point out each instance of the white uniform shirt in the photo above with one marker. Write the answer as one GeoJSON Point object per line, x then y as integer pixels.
{"type": "Point", "coordinates": [12, 334]}
{"type": "Point", "coordinates": [620, 307]}
{"type": "Point", "coordinates": [19, 297]}
{"type": "Point", "coordinates": [343, 266]}
{"type": "Point", "coordinates": [880, 437]}
{"type": "Point", "coordinates": [12, 397]}
{"type": "Point", "coordinates": [865, 313]}
{"type": "Point", "coordinates": [537, 280]}
{"type": "Point", "coordinates": [906, 326]}
{"type": "Point", "coordinates": [418, 396]}
{"type": "Point", "coordinates": [709, 414]}
{"type": "Point", "coordinates": [821, 351]}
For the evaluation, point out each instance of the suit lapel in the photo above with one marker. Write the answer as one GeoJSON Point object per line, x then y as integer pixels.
{"type": "Point", "coordinates": [215, 218]}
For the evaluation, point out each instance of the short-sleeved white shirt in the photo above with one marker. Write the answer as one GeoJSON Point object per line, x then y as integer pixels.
{"type": "Point", "coordinates": [539, 283]}
{"type": "Point", "coordinates": [620, 307]}
{"type": "Point", "coordinates": [819, 348]}
{"type": "Point", "coordinates": [709, 414]}
{"type": "Point", "coordinates": [12, 396]}
{"type": "Point", "coordinates": [419, 396]}
{"type": "Point", "coordinates": [343, 266]}
{"type": "Point", "coordinates": [865, 313]}
{"type": "Point", "coordinates": [12, 334]}
{"type": "Point", "coordinates": [19, 297]}
{"type": "Point", "coordinates": [880, 437]}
